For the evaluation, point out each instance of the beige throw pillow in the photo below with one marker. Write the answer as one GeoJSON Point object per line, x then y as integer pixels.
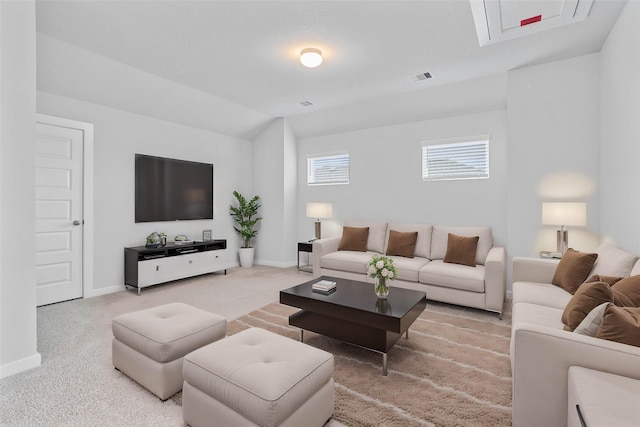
{"type": "Point", "coordinates": [590, 325]}
{"type": "Point", "coordinates": [354, 239]}
{"type": "Point", "coordinates": [573, 269]}
{"type": "Point", "coordinates": [461, 250]}
{"type": "Point", "coordinates": [402, 244]}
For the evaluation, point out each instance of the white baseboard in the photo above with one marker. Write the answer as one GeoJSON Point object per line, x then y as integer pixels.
{"type": "Point", "coordinates": [20, 365]}
{"type": "Point", "coordinates": [104, 291]}
{"type": "Point", "coordinates": [275, 264]}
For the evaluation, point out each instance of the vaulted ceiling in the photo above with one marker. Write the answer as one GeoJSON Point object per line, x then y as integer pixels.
{"type": "Point", "coordinates": [245, 53]}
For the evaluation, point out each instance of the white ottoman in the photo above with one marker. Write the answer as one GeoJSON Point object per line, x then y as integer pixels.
{"type": "Point", "coordinates": [257, 378]}
{"type": "Point", "coordinates": [604, 399]}
{"type": "Point", "coordinates": [149, 345]}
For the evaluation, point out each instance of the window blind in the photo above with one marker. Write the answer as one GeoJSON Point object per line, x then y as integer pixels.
{"type": "Point", "coordinates": [456, 160]}
{"type": "Point", "coordinates": [328, 169]}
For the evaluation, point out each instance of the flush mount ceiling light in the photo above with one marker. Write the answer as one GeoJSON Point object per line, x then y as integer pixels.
{"type": "Point", "coordinates": [311, 57]}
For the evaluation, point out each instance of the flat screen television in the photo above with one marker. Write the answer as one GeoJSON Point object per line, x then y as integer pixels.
{"type": "Point", "coordinates": [172, 189]}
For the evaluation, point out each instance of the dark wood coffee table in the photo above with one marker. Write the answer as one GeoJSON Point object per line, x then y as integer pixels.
{"type": "Point", "coordinates": [354, 314]}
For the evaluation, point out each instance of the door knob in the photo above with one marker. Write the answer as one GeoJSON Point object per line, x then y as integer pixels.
{"type": "Point", "coordinates": [76, 222]}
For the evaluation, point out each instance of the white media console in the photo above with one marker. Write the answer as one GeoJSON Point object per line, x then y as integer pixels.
{"type": "Point", "coordinates": [145, 267]}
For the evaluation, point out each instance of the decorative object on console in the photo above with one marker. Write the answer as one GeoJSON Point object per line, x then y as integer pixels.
{"type": "Point", "coordinates": [382, 269]}
{"type": "Point", "coordinates": [181, 239]}
{"type": "Point", "coordinates": [318, 211]}
{"type": "Point", "coordinates": [153, 240]}
{"type": "Point", "coordinates": [564, 214]}
{"type": "Point", "coordinates": [245, 215]}
{"type": "Point", "coordinates": [206, 235]}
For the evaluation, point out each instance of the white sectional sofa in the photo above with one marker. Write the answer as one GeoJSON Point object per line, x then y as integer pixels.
{"type": "Point", "coordinates": [542, 351]}
{"type": "Point", "coordinates": [482, 286]}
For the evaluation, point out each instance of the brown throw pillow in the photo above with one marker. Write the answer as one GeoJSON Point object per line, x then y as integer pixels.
{"type": "Point", "coordinates": [610, 280]}
{"type": "Point", "coordinates": [630, 287]}
{"type": "Point", "coordinates": [402, 244]}
{"type": "Point", "coordinates": [573, 269]}
{"type": "Point", "coordinates": [354, 239]}
{"type": "Point", "coordinates": [621, 324]}
{"type": "Point", "coordinates": [461, 250]}
{"type": "Point", "coordinates": [588, 296]}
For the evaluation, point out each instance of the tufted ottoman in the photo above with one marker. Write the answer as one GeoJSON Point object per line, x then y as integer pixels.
{"type": "Point", "coordinates": [149, 345]}
{"type": "Point", "coordinates": [257, 378]}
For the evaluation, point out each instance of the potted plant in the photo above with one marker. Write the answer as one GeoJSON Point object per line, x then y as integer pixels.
{"type": "Point", "coordinates": [245, 214]}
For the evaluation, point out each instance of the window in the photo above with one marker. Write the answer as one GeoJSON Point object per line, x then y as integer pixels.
{"type": "Point", "coordinates": [328, 169]}
{"type": "Point", "coordinates": [462, 158]}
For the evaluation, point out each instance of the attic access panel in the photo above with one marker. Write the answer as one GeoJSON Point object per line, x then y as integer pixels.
{"type": "Point", "coordinates": [500, 20]}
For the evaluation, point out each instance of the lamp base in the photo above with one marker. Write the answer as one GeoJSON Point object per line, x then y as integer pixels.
{"type": "Point", "coordinates": [318, 230]}
{"type": "Point", "coordinates": [562, 239]}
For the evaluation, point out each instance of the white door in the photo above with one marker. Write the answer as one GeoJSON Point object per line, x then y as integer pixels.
{"type": "Point", "coordinates": [59, 216]}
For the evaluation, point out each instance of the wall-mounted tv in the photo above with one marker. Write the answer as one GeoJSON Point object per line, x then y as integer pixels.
{"type": "Point", "coordinates": [172, 189]}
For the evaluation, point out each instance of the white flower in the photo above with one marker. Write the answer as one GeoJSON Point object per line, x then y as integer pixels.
{"type": "Point", "coordinates": [380, 264]}
{"type": "Point", "coordinates": [372, 269]}
{"type": "Point", "coordinates": [385, 272]}
{"type": "Point", "coordinates": [390, 274]}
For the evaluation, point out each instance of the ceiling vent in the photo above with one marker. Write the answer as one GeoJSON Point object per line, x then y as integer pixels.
{"type": "Point", "coordinates": [500, 20]}
{"type": "Point", "coordinates": [420, 77]}
{"type": "Point", "coordinates": [306, 103]}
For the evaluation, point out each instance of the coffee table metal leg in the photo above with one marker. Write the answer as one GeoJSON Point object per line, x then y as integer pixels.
{"type": "Point", "coordinates": [384, 364]}
{"type": "Point", "coordinates": [301, 335]}
{"type": "Point", "coordinates": [407, 334]}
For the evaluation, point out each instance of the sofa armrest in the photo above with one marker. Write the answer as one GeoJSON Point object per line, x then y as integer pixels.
{"type": "Point", "coordinates": [322, 247]}
{"type": "Point", "coordinates": [541, 359]}
{"type": "Point", "coordinates": [537, 270]}
{"type": "Point", "coordinates": [495, 279]}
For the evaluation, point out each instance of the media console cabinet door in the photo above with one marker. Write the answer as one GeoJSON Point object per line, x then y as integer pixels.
{"type": "Point", "coordinates": [160, 270]}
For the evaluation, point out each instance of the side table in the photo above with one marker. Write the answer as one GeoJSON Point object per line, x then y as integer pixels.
{"type": "Point", "coordinates": [308, 248]}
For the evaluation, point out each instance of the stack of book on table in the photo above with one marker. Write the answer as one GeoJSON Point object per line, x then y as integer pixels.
{"type": "Point", "coordinates": [324, 286]}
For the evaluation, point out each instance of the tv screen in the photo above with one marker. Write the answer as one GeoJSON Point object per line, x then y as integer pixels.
{"type": "Point", "coordinates": [172, 189]}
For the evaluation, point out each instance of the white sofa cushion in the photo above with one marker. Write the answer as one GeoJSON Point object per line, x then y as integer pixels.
{"type": "Point", "coordinates": [613, 261]}
{"type": "Point", "coordinates": [351, 261]}
{"type": "Point", "coordinates": [544, 294]}
{"type": "Point", "coordinates": [538, 315]}
{"type": "Point", "coordinates": [423, 243]}
{"type": "Point", "coordinates": [455, 276]}
{"type": "Point", "coordinates": [440, 240]}
{"type": "Point", "coordinates": [408, 267]}
{"type": "Point", "coordinates": [377, 233]}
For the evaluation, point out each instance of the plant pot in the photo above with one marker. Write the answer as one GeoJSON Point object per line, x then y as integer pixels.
{"type": "Point", "coordinates": [246, 257]}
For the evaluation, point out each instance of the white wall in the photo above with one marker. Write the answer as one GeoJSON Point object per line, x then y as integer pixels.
{"type": "Point", "coordinates": [386, 177]}
{"type": "Point", "coordinates": [118, 135]}
{"type": "Point", "coordinates": [553, 122]}
{"type": "Point", "coordinates": [18, 344]}
{"type": "Point", "coordinates": [620, 131]}
{"type": "Point", "coordinates": [274, 180]}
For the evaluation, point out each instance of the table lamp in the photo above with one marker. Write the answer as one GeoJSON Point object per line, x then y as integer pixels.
{"type": "Point", "coordinates": [319, 210]}
{"type": "Point", "coordinates": [564, 214]}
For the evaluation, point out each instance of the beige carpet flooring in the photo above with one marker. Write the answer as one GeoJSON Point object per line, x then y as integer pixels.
{"type": "Point", "coordinates": [76, 384]}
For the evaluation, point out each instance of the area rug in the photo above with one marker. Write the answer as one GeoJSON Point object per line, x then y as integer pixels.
{"type": "Point", "coordinates": [453, 370]}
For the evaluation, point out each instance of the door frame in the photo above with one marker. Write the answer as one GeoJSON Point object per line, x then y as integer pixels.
{"type": "Point", "coordinates": [87, 195]}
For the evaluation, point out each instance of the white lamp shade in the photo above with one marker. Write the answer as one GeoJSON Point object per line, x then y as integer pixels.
{"type": "Point", "coordinates": [564, 213]}
{"type": "Point", "coordinates": [319, 210]}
